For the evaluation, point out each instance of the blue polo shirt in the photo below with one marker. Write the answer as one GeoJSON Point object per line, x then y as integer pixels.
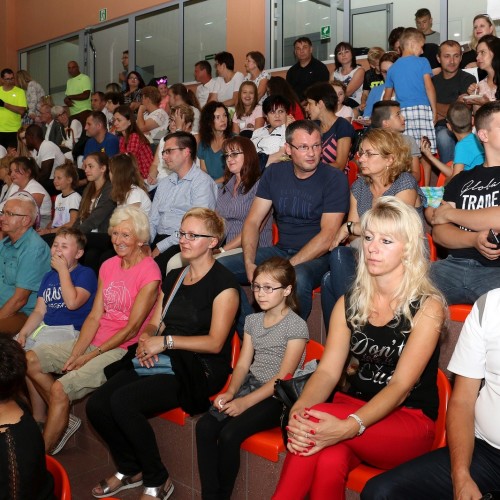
{"type": "Point", "coordinates": [23, 265]}
{"type": "Point", "coordinates": [110, 145]}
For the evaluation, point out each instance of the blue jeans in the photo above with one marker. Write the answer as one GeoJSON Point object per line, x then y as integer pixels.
{"type": "Point", "coordinates": [446, 142]}
{"type": "Point", "coordinates": [463, 281]}
{"type": "Point", "coordinates": [338, 280]}
{"type": "Point", "coordinates": [429, 476]}
{"type": "Point", "coordinates": [308, 275]}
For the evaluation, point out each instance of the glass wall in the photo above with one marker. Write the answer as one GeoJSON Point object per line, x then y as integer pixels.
{"type": "Point", "coordinates": [106, 48]}
{"type": "Point", "coordinates": [157, 44]}
{"type": "Point", "coordinates": [60, 53]}
{"type": "Point", "coordinates": [205, 32]}
{"type": "Point", "coordinates": [35, 62]}
{"type": "Point", "coordinates": [319, 20]}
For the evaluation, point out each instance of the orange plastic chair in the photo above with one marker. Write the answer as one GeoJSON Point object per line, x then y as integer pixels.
{"type": "Point", "coordinates": [433, 256]}
{"type": "Point", "coordinates": [421, 182]}
{"type": "Point", "coordinates": [276, 236]}
{"type": "Point", "coordinates": [62, 487]}
{"type": "Point", "coordinates": [269, 444]}
{"type": "Point", "coordinates": [178, 415]}
{"type": "Point", "coordinates": [459, 312]}
{"type": "Point", "coordinates": [352, 174]}
{"type": "Point", "coordinates": [360, 475]}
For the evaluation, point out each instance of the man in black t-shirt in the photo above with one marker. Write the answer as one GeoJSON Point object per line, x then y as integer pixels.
{"type": "Point", "coordinates": [451, 83]}
{"type": "Point", "coordinates": [307, 70]}
{"type": "Point", "coordinates": [472, 267]}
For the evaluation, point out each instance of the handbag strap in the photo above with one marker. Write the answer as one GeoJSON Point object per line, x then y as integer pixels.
{"type": "Point", "coordinates": [176, 287]}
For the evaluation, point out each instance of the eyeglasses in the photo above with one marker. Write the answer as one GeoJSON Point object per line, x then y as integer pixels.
{"type": "Point", "coordinates": [303, 148]}
{"type": "Point", "coordinates": [232, 155]}
{"type": "Point", "coordinates": [369, 154]}
{"type": "Point", "coordinates": [265, 288]}
{"type": "Point", "coordinates": [169, 150]}
{"type": "Point", "coordinates": [7, 213]}
{"type": "Point", "coordinates": [191, 236]}
{"type": "Point", "coordinates": [277, 112]}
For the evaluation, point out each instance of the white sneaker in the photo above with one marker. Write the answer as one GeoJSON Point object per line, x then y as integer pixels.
{"type": "Point", "coordinates": [73, 425]}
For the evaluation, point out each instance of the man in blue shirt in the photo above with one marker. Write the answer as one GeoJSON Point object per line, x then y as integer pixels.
{"type": "Point", "coordinates": [24, 260]}
{"type": "Point", "coordinates": [187, 187]}
{"type": "Point", "coordinates": [100, 140]}
{"type": "Point", "coordinates": [309, 199]}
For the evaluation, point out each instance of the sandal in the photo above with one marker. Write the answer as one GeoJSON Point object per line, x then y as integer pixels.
{"type": "Point", "coordinates": [126, 482]}
{"type": "Point", "coordinates": [161, 492]}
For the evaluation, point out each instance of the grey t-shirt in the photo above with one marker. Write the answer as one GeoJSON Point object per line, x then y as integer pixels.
{"type": "Point", "coordinates": [270, 343]}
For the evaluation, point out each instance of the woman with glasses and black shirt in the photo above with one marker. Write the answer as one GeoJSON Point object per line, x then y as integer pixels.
{"type": "Point", "coordinates": [195, 333]}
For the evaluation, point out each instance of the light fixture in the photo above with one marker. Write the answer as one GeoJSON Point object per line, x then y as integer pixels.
{"type": "Point", "coordinates": [149, 36]}
{"type": "Point", "coordinates": [209, 23]}
{"type": "Point", "coordinates": [456, 34]}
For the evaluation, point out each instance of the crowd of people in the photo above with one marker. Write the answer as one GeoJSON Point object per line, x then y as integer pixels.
{"type": "Point", "coordinates": [131, 218]}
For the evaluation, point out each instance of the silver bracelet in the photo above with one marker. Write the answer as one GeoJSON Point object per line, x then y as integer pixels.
{"type": "Point", "coordinates": [362, 427]}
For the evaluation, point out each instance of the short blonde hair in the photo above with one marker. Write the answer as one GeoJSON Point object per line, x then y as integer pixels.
{"type": "Point", "coordinates": [215, 224]}
{"type": "Point", "coordinates": [137, 218]}
{"type": "Point", "coordinates": [374, 55]}
{"type": "Point", "coordinates": [411, 35]}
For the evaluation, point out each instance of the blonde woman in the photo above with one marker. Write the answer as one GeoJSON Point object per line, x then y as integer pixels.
{"type": "Point", "coordinates": [389, 326]}
{"type": "Point", "coordinates": [34, 94]}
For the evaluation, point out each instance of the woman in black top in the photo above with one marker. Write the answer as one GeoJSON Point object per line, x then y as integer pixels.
{"type": "Point", "coordinates": [23, 473]}
{"type": "Point", "coordinates": [388, 327]}
{"type": "Point", "coordinates": [195, 333]}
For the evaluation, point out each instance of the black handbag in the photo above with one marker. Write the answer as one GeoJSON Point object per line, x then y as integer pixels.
{"type": "Point", "coordinates": [288, 391]}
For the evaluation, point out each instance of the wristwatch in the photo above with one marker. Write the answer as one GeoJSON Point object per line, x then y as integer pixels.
{"type": "Point", "coordinates": [349, 227]}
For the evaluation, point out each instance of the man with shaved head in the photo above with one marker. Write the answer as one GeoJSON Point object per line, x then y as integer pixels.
{"type": "Point", "coordinates": [78, 89]}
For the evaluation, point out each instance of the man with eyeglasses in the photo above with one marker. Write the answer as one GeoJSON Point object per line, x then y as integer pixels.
{"type": "Point", "coordinates": [186, 187]}
{"type": "Point", "coordinates": [78, 88]}
{"type": "Point", "coordinates": [12, 108]}
{"type": "Point", "coordinates": [309, 200]}
{"type": "Point", "coordinates": [24, 260]}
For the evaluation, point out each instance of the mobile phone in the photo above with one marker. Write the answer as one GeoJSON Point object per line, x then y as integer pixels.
{"type": "Point", "coordinates": [493, 238]}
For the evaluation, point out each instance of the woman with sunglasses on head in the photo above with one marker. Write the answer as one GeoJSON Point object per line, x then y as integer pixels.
{"type": "Point", "coordinates": [386, 329]}
{"type": "Point", "coordinates": [336, 132]}
{"type": "Point", "coordinates": [482, 25]}
{"type": "Point", "coordinates": [385, 170]}
{"type": "Point", "coordinates": [195, 334]}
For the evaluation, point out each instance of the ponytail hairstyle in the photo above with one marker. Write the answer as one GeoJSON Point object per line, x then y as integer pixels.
{"type": "Point", "coordinates": [284, 273]}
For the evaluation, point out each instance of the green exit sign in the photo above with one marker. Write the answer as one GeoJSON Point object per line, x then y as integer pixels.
{"type": "Point", "coordinates": [326, 32]}
{"type": "Point", "coordinates": [103, 15]}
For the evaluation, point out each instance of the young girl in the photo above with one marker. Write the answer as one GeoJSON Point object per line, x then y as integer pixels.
{"type": "Point", "coordinates": [67, 203]}
{"type": "Point", "coordinates": [132, 140]}
{"type": "Point", "coordinates": [273, 346]}
{"type": "Point", "coordinates": [127, 183]}
{"type": "Point", "coordinates": [96, 208]}
{"type": "Point", "coordinates": [342, 111]}
{"type": "Point", "coordinates": [248, 113]}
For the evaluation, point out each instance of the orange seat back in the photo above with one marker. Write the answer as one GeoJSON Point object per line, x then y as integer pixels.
{"type": "Point", "coordinates": [62, 487]}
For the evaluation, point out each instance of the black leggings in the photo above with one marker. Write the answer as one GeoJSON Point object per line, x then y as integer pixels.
{"type": "Point", "coordinates": [219, 443]}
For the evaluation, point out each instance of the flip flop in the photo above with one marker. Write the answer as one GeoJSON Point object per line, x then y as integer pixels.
{"type": "Point", "coordinates": [126, 482]}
